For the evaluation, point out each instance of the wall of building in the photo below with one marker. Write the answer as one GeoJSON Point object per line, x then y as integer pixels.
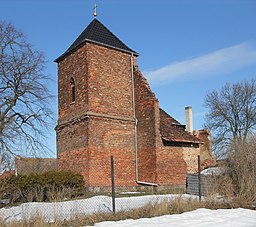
{"type": "Point", "coordinates": [207, 159]}
{"type": "Point", "coordinates": [100, 122]}
{"type": "Point", "coordinates": [109, 79]}
{"type": "Point", "coordinates": [171, 167]}
{"type": "Point", "coordinates": [108, 137]}
{"type": "Point", "coordinates": [190, 155]}
{"type": "Point", "coordinates": [73, 66]}
{"type": "Point", "coordinates": [145, 102]}
{"type": "Point", "coordinates": [157, 163]}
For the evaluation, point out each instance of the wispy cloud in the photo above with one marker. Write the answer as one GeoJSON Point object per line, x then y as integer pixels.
{"type": "Point", "coordinates": [219, 62]}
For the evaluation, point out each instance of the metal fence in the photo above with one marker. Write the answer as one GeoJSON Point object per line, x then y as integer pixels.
{"type": "Point", "coordinates": [200, 185]}
{"type": "Point", "coordinates": [102, 202]}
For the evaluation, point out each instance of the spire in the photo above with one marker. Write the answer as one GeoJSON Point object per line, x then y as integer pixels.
{"type": "Point", "coordinates": [95, 10]}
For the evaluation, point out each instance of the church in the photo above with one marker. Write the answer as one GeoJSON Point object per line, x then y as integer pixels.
{"type": "Point", "coordinates": [106, 108]}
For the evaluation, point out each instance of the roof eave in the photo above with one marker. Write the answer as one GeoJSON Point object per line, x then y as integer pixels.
{"type": "Point", "coordinates": [182, 141]}
{"type": "Point", "coordinates": [57, 60]}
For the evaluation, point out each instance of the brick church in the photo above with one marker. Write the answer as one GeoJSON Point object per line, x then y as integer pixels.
{"type": "Point", "coordinates": [106, 107]}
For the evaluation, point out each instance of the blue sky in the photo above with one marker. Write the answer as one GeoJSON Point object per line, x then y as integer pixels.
{"type": "Point", "coordinates": [186, 47]}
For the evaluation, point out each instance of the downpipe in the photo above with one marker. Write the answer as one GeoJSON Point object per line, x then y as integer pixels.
{"type": "Point", "coordinates": [136, 133]}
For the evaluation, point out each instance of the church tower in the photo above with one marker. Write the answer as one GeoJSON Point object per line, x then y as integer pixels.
{"type": "Point", "coordinates": [95, 108]}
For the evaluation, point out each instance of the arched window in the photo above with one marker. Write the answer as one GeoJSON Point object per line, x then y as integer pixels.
{"type": "Point", "coordinates": [72, 90]}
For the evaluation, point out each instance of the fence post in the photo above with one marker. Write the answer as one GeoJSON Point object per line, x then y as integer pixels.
{"type": "Point", "coordinates": [199, 178]}
{"type": "Point", "coordinates": [113, 185]}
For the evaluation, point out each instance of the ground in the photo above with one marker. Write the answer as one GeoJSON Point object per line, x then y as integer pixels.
{"type": "Point", "coordinates": [52, 212]}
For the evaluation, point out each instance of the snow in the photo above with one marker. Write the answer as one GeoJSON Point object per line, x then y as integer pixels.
{"type": "Point", "coordinates": [213, 171]}
{"type": "Point", "coordinates": [197, 218]}
{"type": "Point", "coordinates": [70, 209]}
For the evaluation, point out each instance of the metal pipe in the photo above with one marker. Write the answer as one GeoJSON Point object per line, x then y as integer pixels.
{"type": "Point", "coordinates": [136, 134]}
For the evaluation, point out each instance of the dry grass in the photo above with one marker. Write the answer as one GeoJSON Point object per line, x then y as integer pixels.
{"type": "Point", "coordinates": [165, 207]}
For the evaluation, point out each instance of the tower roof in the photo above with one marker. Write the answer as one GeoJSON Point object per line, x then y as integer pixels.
{"type": "Point", "coordinates": [97, 33]}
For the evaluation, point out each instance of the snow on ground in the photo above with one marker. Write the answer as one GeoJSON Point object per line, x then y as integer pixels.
{"type": "Point", "coordinates": [197, 218]}
{"type": "Point", "coordinates": [70, 209]}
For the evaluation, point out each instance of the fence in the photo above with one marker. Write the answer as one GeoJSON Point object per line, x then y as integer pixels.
{"type": "Point", "coordinates": [199, 185]}
{"type": "Point", "coordinates": [106, 202]}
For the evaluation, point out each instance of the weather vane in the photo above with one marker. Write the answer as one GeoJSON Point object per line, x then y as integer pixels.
{"type": "Point", "coordinates": [95, 10]}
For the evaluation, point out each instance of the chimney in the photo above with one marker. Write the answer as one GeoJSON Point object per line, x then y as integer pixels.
{"type": "Point", "coordinates": [189, 119]}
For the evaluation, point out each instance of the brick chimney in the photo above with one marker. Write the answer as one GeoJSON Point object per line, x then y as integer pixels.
{"type": "Point", "coordinates": [189, 119]}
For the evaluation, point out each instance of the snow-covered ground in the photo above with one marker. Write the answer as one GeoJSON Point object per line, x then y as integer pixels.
{"type": "Point", "coordinates": [70, 209]}
{"type": "Point", "coordinates": [197, 218]}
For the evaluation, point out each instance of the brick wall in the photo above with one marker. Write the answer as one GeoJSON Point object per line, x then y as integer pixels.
{"type": "Point", "coordinates": [73, 66]}
{"type": "Point", "coordinates": [145, 101]}
{"type": "Point", "coordinates": [100, 122]}
{"type": "Point", "coordinates": [171, 167]}
{"type": "Point", "coordinates": [76, 160]}
{"type": "Point", "coordinates": [111, 137]}
{"type": "Point", "coordinates": [109, 79]}
{"type": "Point", "coordinates": [157, 163]}
{"type": "Point", "coordinates": [190, 155]}
{"type": "Point", "coordinates": [207, 159]}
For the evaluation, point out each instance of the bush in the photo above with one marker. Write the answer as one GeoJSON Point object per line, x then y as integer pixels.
{"type": "Point", "coordinates": [240, 177]}
{"type": "Point", "coordinates": [242, 170]}
{"type": "Point", "coordinates": [48, 186]}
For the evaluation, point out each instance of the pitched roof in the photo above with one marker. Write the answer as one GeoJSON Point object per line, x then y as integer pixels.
{"type": "Point", "coordinates": [171, 130]}
{"type": "Point", "coordinates": [96, 32]}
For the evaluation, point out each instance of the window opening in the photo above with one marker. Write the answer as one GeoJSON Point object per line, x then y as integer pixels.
{"type": "Point", "coordinates": [73, 90]}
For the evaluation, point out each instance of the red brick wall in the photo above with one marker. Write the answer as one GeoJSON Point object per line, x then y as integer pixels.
{"type": "Point", "coordinates": [100, 123]}
{"type": "Point", "coordinates": [111, 137]}
{"type": "Point", "coordinates": [75, 66]}
{"type": "Point", "coordinates": [109, 78]}
{"type": "Point", "coordinates": [145, 113]}
{"type": "Point", "coordinates": [157, 163]}
{"type": "Point", "coordinates": [76, 161]}
{"type": "Point", "coordinates": [171, 167]}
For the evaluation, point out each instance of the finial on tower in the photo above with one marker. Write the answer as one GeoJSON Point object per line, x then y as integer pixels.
{"type": "Point", "coordinates": [95, 10]}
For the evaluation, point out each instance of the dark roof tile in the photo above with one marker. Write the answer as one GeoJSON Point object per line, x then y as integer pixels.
{"type": "Point", "coordinates": [96, 32]}
{"type": "Point", "coordinates": [171, 130]}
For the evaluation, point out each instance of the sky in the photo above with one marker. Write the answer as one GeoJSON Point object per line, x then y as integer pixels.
{"type": "Point", "coordinates": [186, 47]}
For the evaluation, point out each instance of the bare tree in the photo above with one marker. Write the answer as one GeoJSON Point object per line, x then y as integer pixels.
{"type": "Point", "coordinates": [232, 114]}
{"type": "Point", "coordinates": [25, 115]}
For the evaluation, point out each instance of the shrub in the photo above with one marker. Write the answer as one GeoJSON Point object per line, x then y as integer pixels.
{"type": "Point", "coordinates": [241, 166]}
{"type": "Point", "coordinates": [48, 186]}
{"type": "Point", "coordinates": [239, 180]}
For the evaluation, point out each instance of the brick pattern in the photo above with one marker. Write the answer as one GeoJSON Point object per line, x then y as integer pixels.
{"type": "Point", "coordinates": [190, 155]}
{"type": "Point", "coordinates": [111, 137]}
{"type": "Point", "coordinates": [76, 160]}
{"type": "Point", "coordinates": [145, 114]}
{"type": "Point", "coordinates": [109, 79]}
{"type": "Point", "coordinates": [157, 163]}
{"type": "Point", "coordinates": [88, 132]}
{"type": "Point", "coordinates": [171, 167]}
{"type": "Point", "coordinates": [100, 122]}
{"type": "Point", "coordinates": [207, 159]}
{"type": "Point", "coordinates": [73, 66]}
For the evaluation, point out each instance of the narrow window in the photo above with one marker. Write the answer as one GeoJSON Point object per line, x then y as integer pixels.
{"type": "Point", "coordinates": [73, 90]}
